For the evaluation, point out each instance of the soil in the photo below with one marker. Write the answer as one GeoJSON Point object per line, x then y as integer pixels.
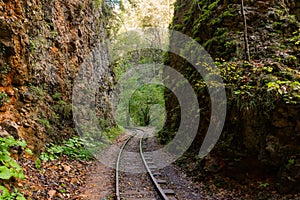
{"type": "Point", "coordinates": [58, 179]}
{"type": "Point", "coordinates": [134, 181]}
{"type": "Point", "coordinates": [99, 183]}
{"type": "Point", "coordinates": [176, 179]}
{"type": "Point", "coordinates": [185, 187]}
{"type": "Point", "coordinates": [71, 179]}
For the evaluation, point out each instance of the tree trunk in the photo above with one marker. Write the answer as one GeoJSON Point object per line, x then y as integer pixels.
{"type": "Point", "coordinates": [247, 51]}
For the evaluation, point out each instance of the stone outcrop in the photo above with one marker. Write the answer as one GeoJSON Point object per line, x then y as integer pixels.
{"type": "Point", "coordinates": [42, 45]}
{"type": "Point", "coordinates": [261, 138]}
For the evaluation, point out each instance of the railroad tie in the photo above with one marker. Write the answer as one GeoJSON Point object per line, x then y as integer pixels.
{"type": "Point", "coordinates": [169, 192]}
{"type": "Point", "coordinates": [160, 181]}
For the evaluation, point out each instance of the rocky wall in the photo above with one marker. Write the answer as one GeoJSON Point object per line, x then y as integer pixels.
{"type": "Point", "coordinates": [261, 145]}
{"type": "Point", "coordinates": [43, 44]}
{"type": "Point", "coordinates": [261, 134]}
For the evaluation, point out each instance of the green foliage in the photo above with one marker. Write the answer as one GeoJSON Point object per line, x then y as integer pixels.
{"type": "Point", "coordinates": [146, 13]}
{"type": "Point", "coordinates": [63, 109]}
{"type": "Point", "coordinates": [15, 195]}
{"type": "Point", "coordinates": [207, 10]}
{"type": "Point", "coordinates": [290, 162]}
{"type": "Point", "coordinates": [205, 16]}
{"type": "Point", "coordinates": [177, 27]}
{"type": "Point", "coordinates": [108, 198]}
{"type": "Point", "coordinates": [229, 12]}
{"type": "Point", "coordinates": [57, 96]}
{"type": "Point", "coordinates": [113, 133]}
{"type": "Point", "coordinates": [263, 185]}
{"type": "Point", "coordinates": [142, 105]}
{"type": "Point", "coordinates": [146, 104]}
{"type": "Point", "coordinates": [97, 3]}
{"type": "Point", "coordinates": [288, 90]}
{"type": "Point", "coordinates": [2, 49]}
{"type": "Point", "coordinates": [38, 163]}
{"type": "Point", "coordinates": [296, 38]}
{"type": "Point", "coordinates": [32, 46]}
{"type": "Point", "coordinates": [9, 167]}
{"type": "Point", "coordinates": [3, 98]}
{"type": "Point", "coordinates": [52, 152]}
{"type": "Point", "coordinates": [62, 190]}
{"type": "Point", "coordinates": [53, 33]}
{"type": "Point", "coordinates": [45, 122]}
{"type": "Point", "coordinates": [73, 148]}
{"type": "Point", "coordinates": [5, 69]}
{"type": "Point", "coordinates": [251, 84]}
{"type": "Point", "coordinates": [95, 141]}
{"type": "Point", "coordinates": [36, 90]}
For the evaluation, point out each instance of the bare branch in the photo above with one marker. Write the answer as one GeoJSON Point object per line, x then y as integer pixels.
{"type": "Point", "coordinates": [247, 50]}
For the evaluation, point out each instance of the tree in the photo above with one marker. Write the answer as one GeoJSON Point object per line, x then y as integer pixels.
{"type": "Point", "coordinates": [143, 13]}
{"type": "Point", "coordinates": [247, 50]}
{"type": "Point", "coordinates": [143, 105]}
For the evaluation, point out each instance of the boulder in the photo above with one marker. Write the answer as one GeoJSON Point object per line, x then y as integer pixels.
{"type": "Point", "coordinates": [11, 127]}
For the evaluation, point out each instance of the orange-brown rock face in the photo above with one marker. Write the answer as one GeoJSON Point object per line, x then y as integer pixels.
{"type": "Point", "coordinates": [42, 44]}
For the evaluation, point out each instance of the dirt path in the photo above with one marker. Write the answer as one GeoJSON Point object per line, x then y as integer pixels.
{"type": "Point", "coordinates": [99, 183]}
{"type": "Point", "coordinates": [101, 179]}
{"type": "Point", "coordinates": [69, 179]}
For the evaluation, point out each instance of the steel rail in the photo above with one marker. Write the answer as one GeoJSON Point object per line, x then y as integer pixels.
{"type": "Point", "coordinates": [117, 167]}
{"type": "Point", "coordinates": [157, 187]}
{"type": "Point", "coordinates": [159, 190]}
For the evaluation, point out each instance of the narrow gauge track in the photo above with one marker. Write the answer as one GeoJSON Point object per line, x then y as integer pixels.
{"type": "Point", "coordinates": [131, 180]}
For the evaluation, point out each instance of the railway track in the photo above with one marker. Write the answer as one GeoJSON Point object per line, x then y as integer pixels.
{"type": "Point", "coordinates": [137, 177]}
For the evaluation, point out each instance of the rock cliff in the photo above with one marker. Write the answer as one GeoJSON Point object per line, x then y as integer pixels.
{"type": "Point", "coordinates": [261, 135]}
{"type": "Point", "coordinates": [42, 45]}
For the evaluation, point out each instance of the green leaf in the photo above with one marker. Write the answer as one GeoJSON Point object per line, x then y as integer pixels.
{"type": "Point", "coordinates": [16, 171]}
{"type": "Point", "coordinates": [28, 151]}
{"type": "Point", "coordinates": [21, 175]}
{"type": "Point", "coordinates": [4, 192]}
{"type": "Point", "coordinates": [38, 163]}
{"type": "Point", "coordinates": [5, 173]}
{"type": "Point", "coordinates": [237, 92]}
{"type": "Point", "coordinates": [22, 143]}
{"type": "Point", "coordinates": [5, 158]}
{"type": "Point", "coordinates": [20, 197]}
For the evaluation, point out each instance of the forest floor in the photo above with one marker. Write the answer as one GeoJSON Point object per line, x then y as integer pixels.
{"type": "Point", "coordinates": [72, 179]}
{"type": "Point", "coordinates": [100, 184]}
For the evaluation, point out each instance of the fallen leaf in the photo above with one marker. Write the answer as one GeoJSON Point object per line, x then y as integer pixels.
{"type": "Point", "coordinates": [66, 168]}
{"type": "Point", "coordinates": [52, 193]}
